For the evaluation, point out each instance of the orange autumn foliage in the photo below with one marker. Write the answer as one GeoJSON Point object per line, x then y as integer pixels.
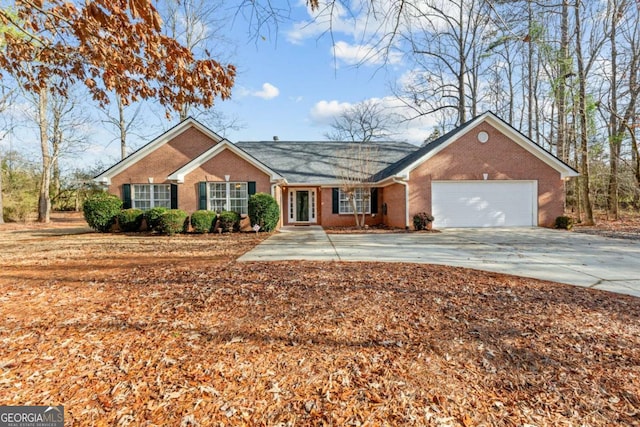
{"type": "Point", "coordinates": [108, 45]}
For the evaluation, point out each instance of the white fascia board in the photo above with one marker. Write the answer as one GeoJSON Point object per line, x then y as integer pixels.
{"type": "Point", "coordinates": [224, 144]}
{"type": "Point", "coordinates": [105, 177]}
{"type": "Point", "coordinates": [564, 170]}
{"type": "Point", "coordinates": [392, 180]}
{"type": "Point", "coordinates": [533, 148]}
{"type": "Point", "coordinates": [406, 171]}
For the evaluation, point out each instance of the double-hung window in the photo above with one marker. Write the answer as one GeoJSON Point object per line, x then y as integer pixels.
{"type": "Point", "coordinates": [362, 198]}
{"type": "Point", "coordinates": [229, 196]}
{"type": "Point", "coordinates": [147, 196]}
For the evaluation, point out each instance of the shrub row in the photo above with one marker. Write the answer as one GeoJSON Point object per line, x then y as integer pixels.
{"type": "Point", "coordinates": [103, 211]}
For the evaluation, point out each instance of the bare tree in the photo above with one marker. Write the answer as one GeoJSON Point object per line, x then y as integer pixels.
{"type": "Point", "coordinates": [6, 96]}
{"type": "Point", "coordinates": [363, 122]}
{"type": "Point", "coordinates": [125, 121]}
{"type": "Point", "coordinates": [354, 169]}
{"type": "Point", "coordinates": [60, 126]}
{"type": "Point", "coordinates": [445, 40]}
{"type": "Point", "coordinates": [582, 116]}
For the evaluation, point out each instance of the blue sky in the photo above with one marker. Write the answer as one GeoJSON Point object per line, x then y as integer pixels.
{"type": "Point", "coordinates": [291, 84]}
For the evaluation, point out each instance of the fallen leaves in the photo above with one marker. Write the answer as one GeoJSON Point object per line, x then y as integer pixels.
{"type": "Point", "coordinates": [132, 330]}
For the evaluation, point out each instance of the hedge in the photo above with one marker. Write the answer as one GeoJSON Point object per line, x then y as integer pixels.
{"type": "Point", "coordinates": [130, 219]}
{"type": "Point", "coordinates": [101, 210]}
{"type": "Point", "coordinates": [203, 221]}
{"type": "Point", "coordinates": [152, 217]}
{"type": "Point", "coordinates": [173, 221]}
{"type": "Point", "coordinates": [229, 221]}
{"type": "Point", "coordinates": [264, 211]}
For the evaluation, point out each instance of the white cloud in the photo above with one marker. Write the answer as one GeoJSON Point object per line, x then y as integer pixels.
{"type": "Point", "coordinates": [323, 113]}
{"type": "Point", "coordinates": [326, 18]}
{"type": "Point", "coordinates": [413, 131]}
{"type": "Point", "coordinates": [268, 91]}
{"type": "Point", "coordinates": [363, 54]}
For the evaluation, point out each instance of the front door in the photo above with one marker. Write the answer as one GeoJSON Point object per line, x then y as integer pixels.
{"type": "Point", "coordinates": [302, 205]}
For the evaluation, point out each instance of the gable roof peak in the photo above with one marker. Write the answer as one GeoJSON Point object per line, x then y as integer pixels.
{"type": "Point", "coordinates": [154, 144]}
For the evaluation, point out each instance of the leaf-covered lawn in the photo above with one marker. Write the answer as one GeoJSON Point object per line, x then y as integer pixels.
{"type": "Point", "coordinates": [146, 330]}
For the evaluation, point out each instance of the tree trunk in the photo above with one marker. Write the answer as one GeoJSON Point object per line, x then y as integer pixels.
{"type": "Point", "coordinates": [462, 115]}
{"type": "Point", "coordinates": [44, 198]}
{"type": "Point", "coordinates": [530, 75]}
{"type": "Point", "coordinates": [614, 138]}
{"type": "Point", "coordinates": [562, 83]}
{"type": "Point", "coordinates": [122, 124]}
{"type": "Point", "coordinates": [1, 205]}
{"type": "Point", "coordinates": [582, 116]}
{"type": "Point", "coordinates": [635, 157]}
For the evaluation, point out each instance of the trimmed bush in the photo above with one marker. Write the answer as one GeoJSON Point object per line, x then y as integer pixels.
{"type": "Point", "coordinates": [203, 221]}
{"type": "Point", "coordinates": [152, 216]}
{"type": "Point", "coordinates": [173, 221]}
{"type": "Point", "coordinates": [101, 210]}
{"type": "Point", "coordinates": [564, 222]}
{"type": "Point", "coordinates": [264, 211]}
{"type": "Point", "coordinates": [422, 220]}
{"type": "Point", "coordinates": [229, 221]}
{"type": "Point", "coordinates": [130, 219]}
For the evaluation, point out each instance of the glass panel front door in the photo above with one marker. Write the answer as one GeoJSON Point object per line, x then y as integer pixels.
{"type": "Point", "coordinates": [302, 206]}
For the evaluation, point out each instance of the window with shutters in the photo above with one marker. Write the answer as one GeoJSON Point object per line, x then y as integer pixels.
{"type": "Point", "coordinates": [362, 198]}
{"type": "Point", "coordinates": [229, 196]}
{"type": "Point", "coordinates": [147, 196]}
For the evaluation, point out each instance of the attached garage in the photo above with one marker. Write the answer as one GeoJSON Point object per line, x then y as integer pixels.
{"type": "Point", "coordinates": [484, 203]}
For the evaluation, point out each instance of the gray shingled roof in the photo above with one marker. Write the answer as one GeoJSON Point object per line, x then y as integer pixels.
{"type": "Point", "coordinates": [315, 162]}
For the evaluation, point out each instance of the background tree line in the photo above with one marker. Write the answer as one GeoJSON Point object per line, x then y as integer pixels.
{"type": "Point", "coordinates": [564, 72]}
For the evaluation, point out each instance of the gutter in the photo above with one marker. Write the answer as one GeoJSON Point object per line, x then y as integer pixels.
{"type": "Point", "coordinates": [400, 180]}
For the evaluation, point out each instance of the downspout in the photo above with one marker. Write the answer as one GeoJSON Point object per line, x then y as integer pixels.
{"type": "Point", "coordinates": [406, 199]}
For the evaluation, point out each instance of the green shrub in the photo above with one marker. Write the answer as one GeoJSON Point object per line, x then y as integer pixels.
{"type": "Point", "coordinates": [264, 211]}
{"type": "Point", "coordinates": [422, 220]}
{"type": "Point", "coordinates": [152, 217]}
{"type": "Point", "coordinates": [100, 211]}
{"type": "Point", "coordinates": [173, 221]}
{"type": "Point", "coordinates": [18, 207]}
{"type": "Point", "coordinates": [130, 219]}
{"type": "Point", "coordinates": [564, 222]}
{"type": "Point", "coordinates": [229, 221]}
{"type": "Point", "coordinates": [203, 221]}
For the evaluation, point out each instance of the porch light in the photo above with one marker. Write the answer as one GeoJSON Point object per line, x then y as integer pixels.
{"type": "Point", "coordinates": [485, 176]}
{"type": "Point", "coordinates": [150, 179]}
{"type": "Point", "coordinates": [227, 178]}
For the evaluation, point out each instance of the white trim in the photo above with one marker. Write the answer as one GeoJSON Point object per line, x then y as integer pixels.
{"type": "Point", "coordinates": [224, 144]}
{"type": "Point", "coordinates": [105, 177]}
{"type": "Point", "coordinates": [227, 192]}
{"type": "Point", "coordinates": [292, 205]}
{"type": "Point", "coordinates": [400, 180]}
{"type": "Point", "coordinates": [515, 136]}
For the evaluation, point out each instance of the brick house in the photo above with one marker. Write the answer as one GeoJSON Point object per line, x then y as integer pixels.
{"type": "Point", "coordinates": [482, 174]}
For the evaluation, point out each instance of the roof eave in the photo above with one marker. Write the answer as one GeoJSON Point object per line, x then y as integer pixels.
{"type": "Point", "coordinates": [179, 175]}
{"type": "Point", "coordinates": [105, 177]}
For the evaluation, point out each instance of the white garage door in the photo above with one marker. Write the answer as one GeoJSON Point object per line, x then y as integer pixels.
{"type": "Point", "coordinates": [484, 203]}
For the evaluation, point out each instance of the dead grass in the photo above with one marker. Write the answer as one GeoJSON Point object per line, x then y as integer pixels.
{"type": "Point", "coordinates": [149, 330]}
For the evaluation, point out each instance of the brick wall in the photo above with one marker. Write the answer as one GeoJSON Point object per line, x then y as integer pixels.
{"type": "Point", "coordinates": [500, 158]}
{"type": "Point", "coordinates": [225, 163]}
{"type": "Point", "coordinates": [163, 161]}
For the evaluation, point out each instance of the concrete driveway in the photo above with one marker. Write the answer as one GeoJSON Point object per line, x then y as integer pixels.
{"type": "Point", "coordinates": [559, 256]}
